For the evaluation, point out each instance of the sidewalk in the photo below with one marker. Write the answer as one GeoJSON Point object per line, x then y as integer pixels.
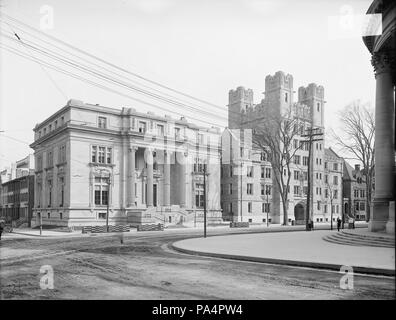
{"type": "Point", "coordinates": [20, 233]}
{"type": "Point", "coordinates": [305, 249]}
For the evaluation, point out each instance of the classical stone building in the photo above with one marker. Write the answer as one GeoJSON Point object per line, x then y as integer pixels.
{"type": "Point", "coordinates": [140, 167]}
{"type": "Point", "coordinates": [246, 172]}
{"type": "Point", "coordinates": [383, 50]}
{"type": "Point", "coordinates": [354, 192]}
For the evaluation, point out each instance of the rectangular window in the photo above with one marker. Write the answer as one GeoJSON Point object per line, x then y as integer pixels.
{"type": "Point", "coordinates": [50, 159]}
{"type": "Point", "coordinates": [335, 194]}
{"type": "Point", "coordinates": [62, 154]}
{"type": "Point", "coordinates": [102, 122]}
{"type": "Point", "coordinates": [262, 172]}
{"type": "Point", "coordinates": [231, 170]}
{"type": "Point", "coordinates": [335, 180]}
{"type": "Point", "coordinates": [101, 156]}
{"type": "Point", "coordinates": [177, 133]}
{"type": "Point", "coordinates": [296, 159]}
{"type": "Point", "coordinates": [250, 171]}
{"type": "Point", "coordinates": [108, 156]}
{"type": "Point", "coordinates": [318, 205]}
{"type": "Point", "coordinates": [249, 188]}
{"type": "Point", "coordinates": [94, 154]}
{"type": "Point", "coordinates": [249, 207]}
{"type": "Point", "coordinates": [102, 215]}
{"type": "Point", "coordinates": [199, 195]}
{"type": "Point", "coordinates": [296, 175]}
{"type": "Point", "coordinates": [296, 190]}
{"type": "Point", "coordinates": [142, 127]}
{"type": "Point", "coordinates": [101, 191]}
{"type": "Point", "coordinates": [335, 166]}
{"type": "Point", "coordinates": [268, 189]}
{"type": "Point", "coordinates": [262, 189]}
{"type": "Point", "coordinates": [160, 130]}
{"type": "Point", "coordinates": [305, 161]}
{"type": "Point", "coordinates": [268, 172]}
{"type": "Point", "coordinates": [325, 208]}
{"type": "Point", "coordinates": [230, 188]}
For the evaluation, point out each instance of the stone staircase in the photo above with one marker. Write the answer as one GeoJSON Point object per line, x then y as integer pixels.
{"type": "Point", "coordinates": [360, 239]}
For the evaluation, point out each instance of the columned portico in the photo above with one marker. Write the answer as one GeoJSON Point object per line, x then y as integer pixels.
{"type": "Point", "coordinates": [383, 50]}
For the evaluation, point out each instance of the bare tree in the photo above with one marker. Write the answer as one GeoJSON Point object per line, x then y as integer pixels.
{"type": "Point", "coordinates": [356, 139]}
{"type": "Point", "coordinates": [274, 135]}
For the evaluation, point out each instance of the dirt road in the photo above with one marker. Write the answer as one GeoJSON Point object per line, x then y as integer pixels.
{"type": "Point", "coordinates": [143, 267]}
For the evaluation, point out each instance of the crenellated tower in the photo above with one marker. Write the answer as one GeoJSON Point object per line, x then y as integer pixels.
{"type": "Point", "coordinates": [313, 97]}
{"type": "Point", "coordinates": [278, 92]}
{"type": "Point", "coordinates": [240, 101]}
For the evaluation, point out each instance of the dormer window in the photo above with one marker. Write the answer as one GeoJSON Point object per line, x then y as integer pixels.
{"type": "Point", "coordinates": [102, 122]}
{"type": "Point", "coordinates": [50, 127]}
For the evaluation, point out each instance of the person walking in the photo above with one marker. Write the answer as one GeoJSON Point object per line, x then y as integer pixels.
{"type": "Point", "coordinates": [338, 223]}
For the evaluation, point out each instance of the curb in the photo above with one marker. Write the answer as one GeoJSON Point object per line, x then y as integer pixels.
{"type": "Point", "coordinates": [294, 263]}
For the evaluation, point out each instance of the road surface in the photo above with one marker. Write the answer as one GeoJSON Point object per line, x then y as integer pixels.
{"type": "Point", "coordinates": [144, 267]}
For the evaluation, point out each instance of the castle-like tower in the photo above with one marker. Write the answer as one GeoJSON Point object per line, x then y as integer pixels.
{"type": "Point", "coordinates": [278, 100]}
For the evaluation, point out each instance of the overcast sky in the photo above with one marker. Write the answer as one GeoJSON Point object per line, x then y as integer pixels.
{"type": "Point", "coordinates": [203, 48]}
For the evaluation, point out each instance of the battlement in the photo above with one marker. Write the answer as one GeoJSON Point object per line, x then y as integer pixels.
{"type": "Point", "coordinates": [277, 81]}
{"type": "Point", "coordinates": [311, 91]}
{"type": "Point", "coordinates": [240, 95]}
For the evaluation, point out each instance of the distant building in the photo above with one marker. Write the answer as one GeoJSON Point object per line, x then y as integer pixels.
{"type": "Point", "coordinates": [333, 174]}
{"type": "Point", "coordinates": [17, 192]}
{"type": "Point", "coordinates": [354, 192]}
{"type": "Point", "coordinates": [142, 167]}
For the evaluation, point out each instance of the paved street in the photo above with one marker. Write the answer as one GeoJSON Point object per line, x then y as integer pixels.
{"type": "Point", "coordinates": [143, 267]}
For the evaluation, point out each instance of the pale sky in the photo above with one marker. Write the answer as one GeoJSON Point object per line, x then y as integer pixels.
{"type": "Point", "coordinates": [203, 48]}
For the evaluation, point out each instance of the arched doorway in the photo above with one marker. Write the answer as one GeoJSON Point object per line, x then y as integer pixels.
{"type": "Point", "coordinates": [299, 213]}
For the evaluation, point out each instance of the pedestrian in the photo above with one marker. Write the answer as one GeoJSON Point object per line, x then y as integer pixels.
{"type": "Point", "coordinates": [338, 223]}
{"type": "Point", "coordinates": [1, 229]}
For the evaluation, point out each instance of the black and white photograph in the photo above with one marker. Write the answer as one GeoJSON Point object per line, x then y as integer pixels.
{"type": "Point", "coordinates": [197, 154]}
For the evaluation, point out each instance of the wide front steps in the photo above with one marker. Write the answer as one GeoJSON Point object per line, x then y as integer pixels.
{"type": "Point", "coordinates": [356, 239]}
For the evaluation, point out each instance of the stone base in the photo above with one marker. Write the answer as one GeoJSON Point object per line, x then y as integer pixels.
{"type": "Point", "coordinates": [377, 226]}
{"type": "Point", "coordinates": [390, 225]}
{"type": "Point", "coordinates": [379, 215]}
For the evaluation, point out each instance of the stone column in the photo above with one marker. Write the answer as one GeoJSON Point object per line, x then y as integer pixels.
{"type": "Point", "coordinates": [149, 160]}
{"type": "Point", "coordinates": [182, 172]}
{"type": "Point", "coordinates": [167, 179]}
{"type": "Point", "coordinates": [384, 141]}
{"type": "Point", "coordinates": [131, 176]}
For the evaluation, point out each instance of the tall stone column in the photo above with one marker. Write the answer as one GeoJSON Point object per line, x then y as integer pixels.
{"type": "Point", "coordinates": [131, 176]}
{"type": "Point", "coordinates": [167, 179]}
{"type": "Point", "coordinates": [384, 140]}
{"type": "Point", "coordinates": [182, 173]}
{"type": "Point", "coordinates": [149, 160]}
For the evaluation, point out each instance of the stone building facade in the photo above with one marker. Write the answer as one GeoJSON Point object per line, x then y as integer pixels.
{"type": "Point", "coordinates": [354, 192]}
{"type": "Point", "coordinates": [252, 175]}
{"type": "Point", "coordinates": [140, 167]}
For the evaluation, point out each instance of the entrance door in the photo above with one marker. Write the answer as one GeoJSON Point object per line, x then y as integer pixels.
{"type": "Point", "coordinates": [154, 195]}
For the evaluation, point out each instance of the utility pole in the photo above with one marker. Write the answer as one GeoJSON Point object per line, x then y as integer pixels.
{"type": "Point", "coordinates": [241, 189]}
{"type": "Point", "coordinates": [267, 192]}
{"type": "Point", "coordinates": [311, 134]}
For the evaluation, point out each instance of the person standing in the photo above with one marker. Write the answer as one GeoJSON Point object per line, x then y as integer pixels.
{"type": "Point", "coordinates": [1, 229]}
{"type": "Point", "coordinates": [338, 223]}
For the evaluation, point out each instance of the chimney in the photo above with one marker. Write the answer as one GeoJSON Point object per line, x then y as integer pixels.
{"type": "Point", "coordinates": [357, 167]}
